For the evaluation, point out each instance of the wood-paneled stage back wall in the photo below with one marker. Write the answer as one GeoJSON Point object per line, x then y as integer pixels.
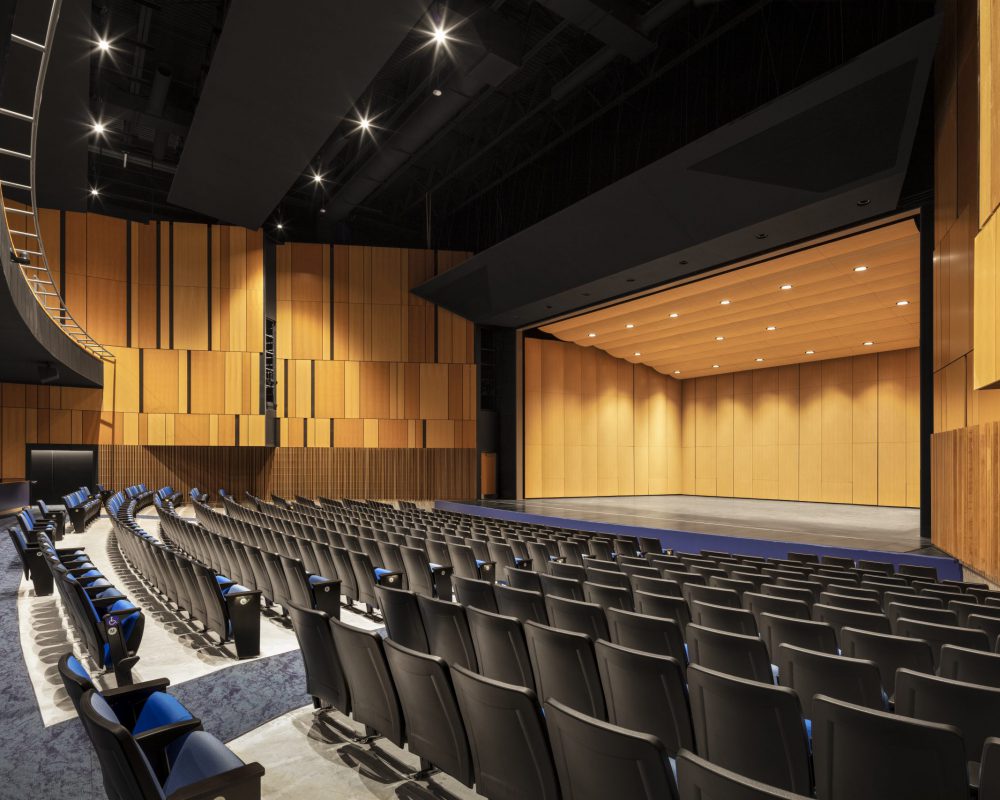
{"type": "Point", "coordinates": [965, 453]}
{"type": "Point", "coordinates": [838, 431]}
{"type": "Point", "coordinates": [363, 364]}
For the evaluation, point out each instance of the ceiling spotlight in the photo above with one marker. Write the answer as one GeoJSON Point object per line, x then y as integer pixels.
{"type": "Point", "coordinates": [723, 302]}
{"type": "Point", "coordinates": [719, 338]}
{"type": "Point", "coordinates": [785, 287]}
{"type": "Point", "coordinates": [591, 335]}
{"type": "Point", "coordinates": [770, 328]}
{"type": "Point", "coordinates": [94, 191]}
{"type": "Point", "coordinates": [98, 127]}
{"type": "Point", "coordinates": [440, 35]}
{"type": "Point", "coordinates": [317, 178]}
{"type": "Point", "coordinates": [868, 344]}
{"type": "Point", "coordinates": [103, 45]}
{"type": "Point", "coordinates": [364, 124]}
{"type": "Point", "coordinates": [677, 372]}
{"type": "Point", "coordinates": [280, 226]}
{"type": "Point", "coordinates": [902, 302]}
{"type": "Point", "coordinates": [861, 268]}
{"type": "Point", "coordinates": [637, 353]}
{"type": "Point", "coordinates": [322, 211]}
{"type": "Point", "coordinates": [436, 92]}
{"type": "Point", "coordinates": [674, 315]}
{"type": "Point", "coordinates": [758, 359]}
{"type": "Point", "coordinates": [629, 325]}
{"type": "Point", "coordinates": [715, 366]}
{"type": "Point", "coordinates": [810, 352]}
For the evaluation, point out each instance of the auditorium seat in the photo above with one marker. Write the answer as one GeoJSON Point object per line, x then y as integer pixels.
{"type": "Point", "coordinates": [733, 584]}
{"type": "Point", "coordinates": [473, 593]}
{"type": "Point", "coordinates": [565, 669]}
{"type": "Point", "coordinates": [521, 604]}
{"type": "Point", "coordinates": [815, 587]}
{"type": "Point", "coordinates": [809, 673]}
{"type": "Point", "coordinates": [646, 693]}
{"type": "Point", "coordinates": [435, 732]}
{"type": "Point", "coordinates": [200, 764]}
{"type": "Point", "coordinates": [868, 604]}
{"type": "Point", "coordinates": [749, 727]}
{"type": "Point", "coordinates": [524, 579]}
{"type": "Point", "coordinates": [566, 571]}
{"type": "Point", "coordinates": [964, 608]}
{"type": "Point", "coordinates": [732, 653]}
{"type": "Point", "coordinates": [401, 613]}
{"type": "Point", "coordinates": [447, 631]}
{"type": "Point", "coordinates": [423, 576]}
{"type": "Point", "coordinates": [501, 649]}
{"type": "Point", "coordinates": [970, 666]}
{"type": "Point", "coordinates": [502, 555]}
{"type": "Point", "coordinates": [776, 630]}
{"type": "Point", "coordinates": [374, 700]}
{"type": "Point", "coordinates": [465, 564]}
{"type": "Point", "coordinates": [788, 592]}
{"type": "Point", "coordinates": [596, 760]}
{"type": "Point", "coordinates": [973, 709]}
{"type": "Point", "coordinates": [926, 761]}
{"type": "Point", "coordinates": [989, 624]}
{"type": "Point", "coordinates": [710, 594]}
{"type": "Point", "coordinates": [989, 769]}
{"type": "Point", "coordinates": [325, 679]}
{"type": "Point", "coordinates": [698, 779]}
{"type": "Point", "coordinates": [511, 756]}
{"type": "Point", "coordinates": [942, 616]}
{"type": "Point", "coordinates": [937, 635]}
{"type": "Point", "coordinates": [665, 588]}
{"type": "Point", "coordinates": [758, 604]}
{"type": "Point", "coordinates": [908, 597]}
{"type": "Point", "coordinates": [554, 586]}
{"type": "Point", "coordinates": [607, 596]}
{"type": "Point", "coordinates": [657, 635]}
{"type": "Point", "coordinates": [574, 615]}
{"type": "Point", "coordinates": [840, 618]}
{"type": "Point", "coordinates": [655, 605]}
{"type": "Point", "coordinates": [723, 618]}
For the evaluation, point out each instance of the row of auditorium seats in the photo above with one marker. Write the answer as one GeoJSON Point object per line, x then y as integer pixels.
{"type": "Point", "coordinates": [219, 604]}
{"type": "Point", "coordinates": [109, 625]}
{"type": "Point", "coordinates": [83, 507]}
{"type": "Point", "coordinates": [150, 746]}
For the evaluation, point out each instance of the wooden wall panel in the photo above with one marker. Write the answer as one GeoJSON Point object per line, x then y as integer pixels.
{"type": "Point", "coordinates": [842, 431]}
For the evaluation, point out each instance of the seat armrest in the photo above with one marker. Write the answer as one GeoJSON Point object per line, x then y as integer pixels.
{"type": "Point", "coordinates": [121, 613]}
{"type": "Point", "coordinates": [242, 783]}
{"type": "Point", "coordinates": [391, 579]}
{"type": "Point", "coordinates": [100, 602]}
{"type": "Point", "coordinates": [155, 740]}
{"type": "Point", "coordinates": [135, 691]}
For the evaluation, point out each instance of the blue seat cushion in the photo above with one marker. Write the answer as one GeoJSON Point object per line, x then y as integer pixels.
{"type": "Point", "coordinates": [435, 566]}
{"type": "Point", "coordinates": [195, 757]}
{"type": "Point", "coordinates": [127, 625]}
{"type": "Point", "coordinates": [76, 667]}
{"type": "Point", "coordinates": [235, 588]}
{"type": "Point", "coordinates": [314, 579]}
{"type": "Point", "coordinates": [379, 572]}
{"type": "Point", "coordinates": [479, 563]}
{"type": "Point", "coordinates": [159, 709]}
{"type": "Point", "coordinates": [221, 579]}
{"type": "Point", "coordinates": [774, 673]}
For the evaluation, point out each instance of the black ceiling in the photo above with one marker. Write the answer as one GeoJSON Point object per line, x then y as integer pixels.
{"type": "Point", "coordinates": [580, 93]}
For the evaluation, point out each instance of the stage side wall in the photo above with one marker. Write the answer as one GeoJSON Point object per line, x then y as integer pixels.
{"type": "Point", "coordinates": [837, 431]}
{"type": "Point", "coordinates": [363, 366]}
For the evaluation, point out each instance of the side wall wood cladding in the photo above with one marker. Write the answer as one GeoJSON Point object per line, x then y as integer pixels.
{"type": "Point", "coordinates": [965, 453]}
{"type": "Point", "coordinates": [838, 431]}
{"type": "Point", "coordinates": [363, 363]}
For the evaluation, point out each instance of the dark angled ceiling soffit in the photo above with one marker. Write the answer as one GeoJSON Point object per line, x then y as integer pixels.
{"type": "Point", "coordinates": [828, 154]}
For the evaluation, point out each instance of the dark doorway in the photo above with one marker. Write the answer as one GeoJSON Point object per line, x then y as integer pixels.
{"type": "Point", "coordinates": [54, 472]}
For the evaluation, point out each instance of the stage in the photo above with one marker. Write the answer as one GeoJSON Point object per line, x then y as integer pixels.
{"type": "Point", "coordinates": [752, 527]}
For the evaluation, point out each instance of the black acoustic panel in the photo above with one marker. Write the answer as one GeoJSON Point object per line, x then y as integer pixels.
{"type": "Point", "coordinates": [672, 219]}
{"type": "Point", "coordinates": [839, 128]}
{"type": "Point", "coordinates": [282, 77]}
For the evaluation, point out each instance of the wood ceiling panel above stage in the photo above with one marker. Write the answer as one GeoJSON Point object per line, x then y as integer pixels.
{"type": "Point", "coordinates": [830, 309]}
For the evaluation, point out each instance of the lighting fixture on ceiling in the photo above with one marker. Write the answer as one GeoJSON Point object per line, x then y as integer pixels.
{"type": "Point", "coordinates": [674, 315]}
{"type": "Point", "coordinates": [719, 338]}
{"type": "Point", "coordinates": [770, 328]}
{"type": "Point", "coordinates": [317, 178]}
{"type": "Point", "coordinates": [715, 366]}
{"type": "Point", "coordinates": [629, 325]}
{"type": "Point", "coordinates": [440, 35]}
{"type": "Point", "coordinates": [98, 127]}
{"type": "Point", "coordinates": [810, 352]}
{"type": "Point", "coordinates": [364, 124]}
{"type": "Point", "coordinates": [94, 191]}
{"type": "Point", "coordinates": [103, 45]}
{"type": "Point", "coordinates": [436, 92]}
{"type": "Point", "coordinates": [723, 302]}
{"type": "Point", "coordinates": [758, 359]}
{"type": "Point", "coordinates": [785, 287]}
{"type": "Point", "coordinates": [322, 211]}
{"type": "Point", "coordinates": [280, 226]}
{"type": "Point", "coordinates": [902, 302]}
{"type": "Point", "coordinates": [637, 353]}
{"type": "Point", "coordinates": [861, 268]}
{"type": "Point", "coordinates": [868, 344]}
{"type": "Point", "coordinates": [592, 335]}
{"type": "Point", "coordinates": [677, 372]}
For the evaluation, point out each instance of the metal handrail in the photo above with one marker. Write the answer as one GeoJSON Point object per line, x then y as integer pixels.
{"type": "Point", "coordinates": [34, 258]}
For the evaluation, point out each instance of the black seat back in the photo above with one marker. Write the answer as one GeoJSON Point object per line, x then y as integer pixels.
{"type": "Point", "coordinates": [749, 727]}
{"type": "Point", "coordinates": [607, 596]}
{"type": "Point", "coordinates": [401, 613]}
{"type": "Point", "coordinates": [521, 603]}
{"type": "Point", "coordinates": [888, 652]}
{"type": "Point", "coordinates": [374, 702]}
{"type": "Point", "coordinates": [703, 780]}
{"type": "Point", "coordinates": [572, 615]}
{"type": "Point", "coordinates": [937, 635]}
{"type": "Point", "coordinates": [809, 673]}
{"type": "Point", "coordinates": [474, 593]}
{"type": "Point", "coordinates": [324, 674]}
{"type": "Point", "coordinates": [434, 728]}
{"type": "Point", "coordinates": [775, 630]}
{"type": "Point", "coordinates": [646, 693]}
{"type": "Point", "coordinates": [565, 669]}
{"type": "Point", "coordinates": [501, 649]}
{"type": "Point", "coordinates": [732, 653]}
{"type": "Point", "coordinates": [970, 666]}
{"type": "Point", "coordinates": [596, 760]}
{"type": "Point", "coordinates": [447, 631]}
{"type": "Point", "coordinates": [656, 635]}
{"type": "Point", "coordinates": [852, 761]}
{"type": "Point", "coordinates": [675, 608]}
{"type": "Point", "coordinates": [505, 728]}
{"type": "Point", "coordinates": [723, 618]}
